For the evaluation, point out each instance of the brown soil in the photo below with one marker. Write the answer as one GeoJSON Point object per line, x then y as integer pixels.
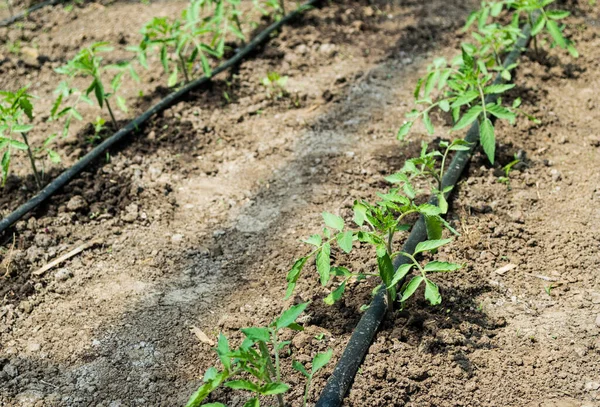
{"type": "Point", "coordinates": [199, 217]}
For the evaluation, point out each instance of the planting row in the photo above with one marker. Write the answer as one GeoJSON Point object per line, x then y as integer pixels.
{"type": "Point", "coordinates": [185, 47]}
{"type": "Point", "coordinates": [461, 89]}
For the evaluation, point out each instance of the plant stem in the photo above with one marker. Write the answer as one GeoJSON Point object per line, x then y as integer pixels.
{"type": "Point", "coordinates": [112, 116]}
{"type": "Point", "coordinates": [38, 181]}
{"type": "Point", "coordinates": [308, 380]}
{"type": "Point", "coordinates": [272, 370]}
{"type": "Point", "coordinates": [282, 6]}
{"type": "Point", "coordinates": [482, 100]}
{"type": "Point", "coordinates": [183, 68]}
{"type": "Point", "coordinates": [442, 169]}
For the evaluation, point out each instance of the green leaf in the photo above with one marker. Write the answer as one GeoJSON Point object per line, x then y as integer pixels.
{"type": "Point", "coordinates": [5, 165]}
{"type": "Point", "coordinates": [500, 112]}
{"type": "Point", "coordinates": [323, 262]}
{"type": "Point", "coordinates": [429, 209]}
{"type": "Point", "coordinates": [427, 123]}
{"type": "Point", "coordinates": [56, 105]}
{"type": "Point", "coordinates": [22, 128]}
{"type": "Point", "coordinates": [495, 89]}
{"type": "Point", "coordinates": [293, 275]}
{"type": "Point", "coordinates": [404, 129]}
{"type": "Point", "coordinates": [18, 145]}
{"type": "Point", "coordinates": [411, 287]}
{"type": "Point", "coordinates": [444, 105]}
{"type": "Point", "coordinates": [487, 139]}
{"type": "Point", "coordinates": [469, 117]}
{"type": "Point", "coordinates": [359, 213]}
{"type": "Point", "coordinates": [335, 295]}
{"type": "Point", "coordinates": [270, 389]}
{"type": "Point", "coordinates": [204, 390]}
{"type": "Point", "coordinates": [344, 240]}
{"type": "Point", "coordinates": [418, 88]}
{"type": "Point", "coordinates": [442, 202]}
{"type": "Point", "coordinates": [429, 245]}
{"type": "Point", "coordinates": [538, 26]}
{"type": "Point", "coordinates": [223, 351]}
{"type": "Point", "coordinates": [333, 221]}
{"type": "Point", "coordinates": [53, 156]}
{"type": "Point", "coordinates": [465, 98]}
{"type": "Point", "coordinates": [434, 266]}
{"type": "Point", "coordinates": [290, 315]}
{"type": "Point", "coordinates": [257, 334]}
{"type": "Point", "coordinates": [572, 50]}
{"type": "Point", "coordinates": [26, 106]}
{"type": "Point", "coordinates": [99, 92]}
{"type": "Point", "coordinates": [321, 360]}
{"type": "Point", "coordinates": [432, 293]}
{"type": "Point", "coordinates": [164, 59]}
{"type": "Point", "coordinates": [121, 104]}
{"type": "Point", "coordinates": [401, 272]}
{"type": "Point", "coordinates": [299, 367]}
{"type": "Point", "coordinates": [205, 65]}
{"type": "Point", "coordinates": [210, 374]}
{"type": "Point", "coordinates": [242, 385]}
{"type": "Point", "coordinates": [557, 14]}
{"type": "Point", "coordinates": [253, 402]}
{"type": "Point", "coordinates": [433, 224]}
{"type": "Point", "coordinates": [314, 240]}
{"type": "Point", "coordinates": [556, 33]}
{"type": "Point", "coordinates": [173, 77]}
{"type": "Point", "coordinates": [341, 271]}
{"type": "Point", "coordinates": [397, 178]}
{"type": "Point", "coordinates": [386, 268]}
{"type": "Point", "coordinates": [216, 404]}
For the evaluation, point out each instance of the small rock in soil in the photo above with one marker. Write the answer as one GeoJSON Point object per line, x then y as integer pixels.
{"type": "Point", "coordinates": [556, 175]}
{"type": "Point", "coordinates": [131, 213]}
{"type": "Point", "coordinates": [177, 238]}
{"type": "Point", "coordinates": [30, 57]}
{"type": "Point", "coordinates": [62, 275]}
{"type": "Point", "coordinates": [598, 321]}
{"type": "Point", "coordinates": [43, 240]}
{"type": "Point", "coordinates": [592, 386]}
{"type": "Point", "coordinates": [595, 298]}
{"type": "Point", "coordinates": [77, 203]}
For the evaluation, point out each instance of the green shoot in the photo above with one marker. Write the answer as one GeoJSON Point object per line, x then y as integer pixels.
{"type": "Point", "coordinates": [274, 84]}
{"type": "Point", "coordinates": [378, 226]}
{"type": "Point", "coordinates": [318, 362]}
{"type": "Point", "coordinates": [14, 109]}
{"type": "Point", "coordinates": [88, 64]}
{"type": "Point", "coordinates": [255, 365]}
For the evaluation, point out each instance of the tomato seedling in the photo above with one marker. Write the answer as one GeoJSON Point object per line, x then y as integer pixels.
{"type": "Point", "coordinates": [15, 108]}
{"type": "Point", "coordinates": [88, 63]}
{"type": "Point", "coordinates": [378, 225]}
{"type": "Point", "coordinates": [255, 365]}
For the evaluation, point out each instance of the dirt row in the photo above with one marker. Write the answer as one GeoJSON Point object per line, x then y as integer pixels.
{"type": "Point", "coordinates": [198, 220]}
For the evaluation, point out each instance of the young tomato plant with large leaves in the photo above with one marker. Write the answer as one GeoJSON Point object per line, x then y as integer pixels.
{"type": "Point", "coordinates": [463, 86]}
{"type": "Point", "coordinates": [255, 365]}
{"type": "Point", "coordinates": [198, 34]}
{"type": "Point", "coordinates": [16, 109]}
{"type": "Point", "coordinates": [88, 64]}
{"type": "Point", "coordinates": [378, 224]}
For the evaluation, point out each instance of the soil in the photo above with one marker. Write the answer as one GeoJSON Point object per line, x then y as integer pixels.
{"type": "Point", "coordinates": [197, 219]}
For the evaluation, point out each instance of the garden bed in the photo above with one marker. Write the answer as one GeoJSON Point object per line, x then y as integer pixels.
{"type": "Point", "coordinates": [199, 216]}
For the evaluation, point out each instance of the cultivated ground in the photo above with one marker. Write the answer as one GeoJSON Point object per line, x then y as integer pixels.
{"type": "Point", "coordinates": [198, 218]}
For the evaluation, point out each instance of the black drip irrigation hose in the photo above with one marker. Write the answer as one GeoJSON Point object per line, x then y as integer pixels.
{"type": "Point", "coordinates": [22, 14]}
{"type": "Point", "coordinates": [135, 124]}
{"type": "Point", "coordinates": [343, 375]}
